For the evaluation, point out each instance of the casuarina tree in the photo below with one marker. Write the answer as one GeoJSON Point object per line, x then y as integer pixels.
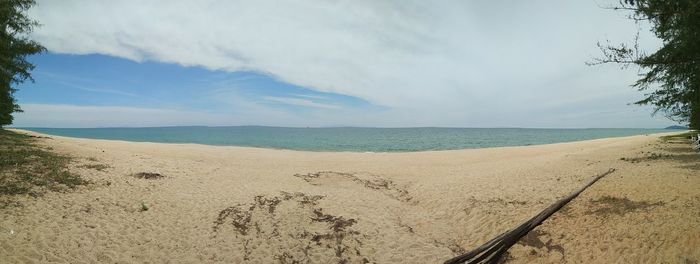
{"type": "Point", "coordinates": [15, 47]}
{"type": "Point", "coordinates": [670, 76]}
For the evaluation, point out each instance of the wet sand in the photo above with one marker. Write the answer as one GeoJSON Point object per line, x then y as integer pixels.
{"type": "Point", "coordinates": [247, 205]}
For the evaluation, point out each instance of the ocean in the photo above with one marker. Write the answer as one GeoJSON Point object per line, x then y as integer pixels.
{"type": "Point", "coordinates": [349, 138]}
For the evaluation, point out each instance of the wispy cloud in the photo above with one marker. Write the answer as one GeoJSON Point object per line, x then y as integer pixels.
{"type": "Point", "coordinates": [95, 89]}
{"type": "Point", "coordinates": [312, 96]}
{"type": "Point", "coordinates": [300, 102]}
{"type": "Point", "coordinates": [77, 82]}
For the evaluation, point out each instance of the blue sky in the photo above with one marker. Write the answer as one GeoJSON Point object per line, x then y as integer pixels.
{"type": "Point", "coordinates": [66, 82]}
{"type": "Point", "coordinates": [320, 63]}
{"type": "Point", "coordinates": [100, 80]}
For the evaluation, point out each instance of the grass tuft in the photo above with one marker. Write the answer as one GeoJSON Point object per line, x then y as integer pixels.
{"type": "Point", "coordinates": [680, 136]}
{"type": "Point", "coordinates": [26, 168]}
{"type": "Point", "coordinates": [97, 167]}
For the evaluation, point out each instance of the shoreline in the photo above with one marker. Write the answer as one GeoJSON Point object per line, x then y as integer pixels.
{"type": "Point", "coordinates": [227, 204]}
{"type": "Point", "coordinates": [30, 132]}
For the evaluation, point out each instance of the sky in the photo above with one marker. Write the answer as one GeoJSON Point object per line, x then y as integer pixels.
{"type": "Point", "coordinates": [331, 63]}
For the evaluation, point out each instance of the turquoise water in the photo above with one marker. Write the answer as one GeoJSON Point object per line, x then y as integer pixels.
{"type": "Point", "coordinates": [348, 138]}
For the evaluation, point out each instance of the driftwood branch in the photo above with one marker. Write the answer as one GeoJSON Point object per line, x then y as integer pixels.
{"type": "Point", "coordinates": [492, 251]}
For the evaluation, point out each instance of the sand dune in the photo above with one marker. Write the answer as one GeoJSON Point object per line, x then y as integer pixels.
{"type": "Point", "coordinates": [248, 205]}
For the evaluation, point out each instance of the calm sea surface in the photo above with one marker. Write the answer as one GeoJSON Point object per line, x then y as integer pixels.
{"type": "Point", "coordinates": [348, 138]}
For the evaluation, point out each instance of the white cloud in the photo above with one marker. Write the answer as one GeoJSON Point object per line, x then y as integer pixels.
{"type": "Point", "coordinates": [431, 62]}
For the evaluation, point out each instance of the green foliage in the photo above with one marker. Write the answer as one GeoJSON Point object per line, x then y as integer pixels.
{"type": "Point", "coordinates": [15, 46]}
{"type": "Point", "coordinates": [671, 78]}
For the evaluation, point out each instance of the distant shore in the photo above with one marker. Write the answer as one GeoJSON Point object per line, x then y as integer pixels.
{"type": "Point", "coordinates": [150, 202]}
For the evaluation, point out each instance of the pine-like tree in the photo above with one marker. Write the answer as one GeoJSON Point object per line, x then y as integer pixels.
{"type": "Point", "coordinates": [671, 78]}
{"type": "Point", "coordinates": [15, 46]}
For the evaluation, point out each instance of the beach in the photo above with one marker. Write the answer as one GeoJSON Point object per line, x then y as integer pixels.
{"type": "Point", "coordinates": [222, 204]}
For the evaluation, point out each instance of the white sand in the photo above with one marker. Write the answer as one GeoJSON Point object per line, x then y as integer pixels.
{"type": "Point", "coordinates": [420, 207]}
